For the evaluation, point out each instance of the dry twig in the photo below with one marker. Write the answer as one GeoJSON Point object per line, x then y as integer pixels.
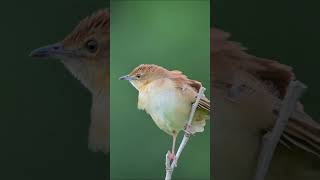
{"type": "Point", "coordinates": [170, 167]}
{"type": "Point", "coordinates": [271, 139]}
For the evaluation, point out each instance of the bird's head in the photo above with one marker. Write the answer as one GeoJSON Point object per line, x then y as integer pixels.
{"type": "Point", "coordinates": [85, 51]}
{"type": "Point", "coordinates": [145, 74]}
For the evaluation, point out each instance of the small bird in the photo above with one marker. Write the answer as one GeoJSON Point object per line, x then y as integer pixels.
{"type": "Point", "coordinates": [85, 53]}
{"type": "Point", "coordinates": [167, 96]}
{"type": "Point", "coordinates": [248, 92]}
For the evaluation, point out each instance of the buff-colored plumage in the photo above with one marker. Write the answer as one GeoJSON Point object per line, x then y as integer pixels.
{"type": "Point", "coordinates": [247, 95]}
{"type": "Point", "coordinates": [99, 23]}
{"type": "Point", "coordinates": [85, 53]}
{"type": "Point", "coordinates": [167, 96]}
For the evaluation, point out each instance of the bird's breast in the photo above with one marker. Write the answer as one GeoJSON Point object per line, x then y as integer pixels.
{"type": "Point", "coordinates": [166, 105]}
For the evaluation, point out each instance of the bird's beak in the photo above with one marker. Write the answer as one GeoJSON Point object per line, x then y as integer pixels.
{"type": "Point", "coordinates": [50, 51]}
{"type": "Point", "coordinates": [126, 77]}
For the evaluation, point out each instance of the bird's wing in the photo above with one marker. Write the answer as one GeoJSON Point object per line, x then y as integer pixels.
{"type": "Point", "coordinates": [303, 132]}
{"type": "Point", "coordinates": [228, 57]}
{"type": "Point", "coordinates": [232, 54]}
{"type": "Point", "coordinates": [204, 103]}
{"type": "Point", "coordinates": [192, 86]}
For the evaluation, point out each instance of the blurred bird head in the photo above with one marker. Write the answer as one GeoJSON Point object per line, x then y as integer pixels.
{"type": "Point", "coordinates": [85, 51]}
{"type": "Point", "coordinates": [145, 74]}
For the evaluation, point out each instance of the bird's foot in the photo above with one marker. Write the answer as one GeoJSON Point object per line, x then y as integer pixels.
{"type": "Point", "coordinates": [188, 130]}
{"type": "Point", "coordinates": [171, 156]}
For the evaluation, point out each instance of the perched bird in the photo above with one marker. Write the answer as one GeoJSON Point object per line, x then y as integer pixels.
{"type": "Point", "coordinates": [85, 53]}
{"type": "Point", "coordinates": [247, 96]}
{"type": "Point", "coordinates": [167, 96]}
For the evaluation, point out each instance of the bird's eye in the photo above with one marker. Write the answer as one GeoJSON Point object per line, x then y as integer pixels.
{"type": "Point", "coordinates": [138, 75]}
{"type": "Point", "coordinates": [92, 46]}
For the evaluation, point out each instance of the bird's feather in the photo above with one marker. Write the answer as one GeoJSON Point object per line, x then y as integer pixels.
{"type": "Point", "coordinates": [183, 82]}
{"type": "Point", "coordinates": [229, 57]}
{"type": "Point", "coordinates": [99, 127]}
{"type": "Point", "coordinates": [90, 67]}
{"type": "Point", "coordinates": [168, 96]}
{"type": "Point", "coordinates": [99, 21]}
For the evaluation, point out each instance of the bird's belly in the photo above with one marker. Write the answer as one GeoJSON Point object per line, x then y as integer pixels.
{"type": "Point", "coordinates": [168, 109]}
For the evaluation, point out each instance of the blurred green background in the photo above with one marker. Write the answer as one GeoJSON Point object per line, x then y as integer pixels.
{"type": "Point", "coordinates": [175, 35]}
{"type": "Point", "coordinates": [45, 112]}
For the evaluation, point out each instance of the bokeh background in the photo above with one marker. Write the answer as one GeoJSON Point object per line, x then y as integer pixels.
{"type": "Point", "coordinates": [45, 112]}
{"type": "Point", "coordinates": [175, 35]}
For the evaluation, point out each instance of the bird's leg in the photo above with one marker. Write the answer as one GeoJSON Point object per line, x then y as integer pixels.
{"type": "Point", "coordinates": [188, 130]}
{"type": "Point", "coordinates": [172, 153]}
{"type": "Point", "coordinates": [170, 167]}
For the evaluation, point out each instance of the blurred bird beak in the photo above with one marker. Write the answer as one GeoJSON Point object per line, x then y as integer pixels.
{"type": "Point", "coordinates": [126, 77]}
{"type": "Point", "coordinates": [53, 50]}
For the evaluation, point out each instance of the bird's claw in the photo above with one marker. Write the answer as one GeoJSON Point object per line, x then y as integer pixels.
{"type": "Point", "coordinates": [187, 130]}
{"type": "Point", "coordinates": [171, 156]}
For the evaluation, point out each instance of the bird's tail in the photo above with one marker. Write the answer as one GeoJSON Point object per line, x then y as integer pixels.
{"type": "Point", "coordinates": [199, 120]}
{"type": "Point", "coordinates": [197, 126]}
{"type": "Point", "coordinates": [302, 131]}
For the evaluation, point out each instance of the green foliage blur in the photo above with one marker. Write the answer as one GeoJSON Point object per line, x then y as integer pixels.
{"type": "Point", "coordinates": [175, 35]}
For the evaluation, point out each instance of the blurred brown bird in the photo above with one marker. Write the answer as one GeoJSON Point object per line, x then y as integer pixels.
{"type": "Point", "coordinates": [167, 96]}
{"type": "Point", "coordinates": [85, 53]}
{"type": "Point", "coordinates": [247, 95]}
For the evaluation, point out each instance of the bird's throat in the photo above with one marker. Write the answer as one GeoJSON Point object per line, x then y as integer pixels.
{"type": "Point", "coordinates": [93, 76]}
